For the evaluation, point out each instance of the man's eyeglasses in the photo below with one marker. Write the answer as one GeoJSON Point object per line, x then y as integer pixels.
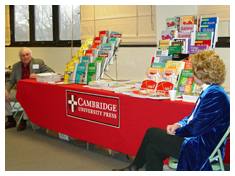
{"type": "Point", "coordinates": [23, 55]}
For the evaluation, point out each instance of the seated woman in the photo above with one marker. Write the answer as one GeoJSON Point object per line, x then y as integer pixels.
{"type": "Point", "coordinates": [192, 139]}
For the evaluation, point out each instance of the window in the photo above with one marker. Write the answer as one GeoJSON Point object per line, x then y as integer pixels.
{"type": "Point", "coordinates": [21, 23]}
{"type": "Point", "coordinates": [45, 25]}
{"type": "Point", "coordinates": [69, 22]}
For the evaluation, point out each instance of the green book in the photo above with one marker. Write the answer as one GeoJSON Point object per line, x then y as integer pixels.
{"type": "Point", "coordinates": [175, 49]}
{"type": "Point", "coordinates": [158, 65]}
{"type": "Point", "coordinates": [91, 72]}
{"type": "Point", "coordinates": [204, 35]}
{"type": "Point", "coordinates": [186, 83]}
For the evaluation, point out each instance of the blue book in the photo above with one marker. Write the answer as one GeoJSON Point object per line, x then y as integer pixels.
{"type": "Point", "coordinates": [210, 24]}
{"type": "Point", "coordinates": [164, 59]}
{"type": "Point", "coordinates": [209, 20]}
{"type": "Point", "coordinates": [80, 72]}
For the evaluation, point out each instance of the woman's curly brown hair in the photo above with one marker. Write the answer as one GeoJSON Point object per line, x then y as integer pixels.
{"type": "Point", "coordinates": [208, 67]}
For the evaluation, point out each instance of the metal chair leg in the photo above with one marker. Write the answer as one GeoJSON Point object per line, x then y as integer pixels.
{"type": "Point", "coordinates": [20, 118]}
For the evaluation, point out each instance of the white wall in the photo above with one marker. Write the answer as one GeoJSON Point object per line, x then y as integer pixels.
{"type": "Point", "coordinates": [132, 62]}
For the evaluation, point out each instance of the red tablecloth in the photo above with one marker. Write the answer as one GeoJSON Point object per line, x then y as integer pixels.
{"type": "Point", "coordinates": [49, 106]}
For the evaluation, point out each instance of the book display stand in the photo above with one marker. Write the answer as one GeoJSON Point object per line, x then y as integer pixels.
{"type": "Point", "coordinates": [171, 66]}
{"type": "Point", "coordinates": [93, 59]}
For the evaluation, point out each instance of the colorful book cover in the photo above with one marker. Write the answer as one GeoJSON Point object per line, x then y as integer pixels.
{"type": "Point", "coordinates": [188, 28]}
{"type": "Point", "coordinates": [105, 46]}
{"type": "Point", "coordinates": [114, 40]}
{"type": "Point", "coordinates": [188, 65]}
{"type": "Point", "coordinates": [95, 46]}
{"type": "Point", "coordinates": [184, 34]}
{"type": "Point", "coordinates": [185, 44]}
{"type": "Point", "coordinates": [165, 58]}
{"type": "Point", "coordinates": [159, 52]}
{"type": "Point", "coordinates": [165, 86]}
{"type": "Point", "coordinates": [91, 72]}
{"type": "Point", "coordinates": [171, 23]}
{"type": "Point", "coordinates": [104, 36]}
{"type": "Point", "coordinates": [90, 55]}
{"type": "Point", "coordinates": [179, 57]}
{"type": "Point", "coordinates": [153, 74]}
{"type": "Point", "coordinates": [208, 28]}
{"type": "Point", "coordinates": [189, 20]}
{"type": "Point", "coordinates": [168, 35]}
{"type": "Point", "coordinates": [97, 40]}
{"type": "Point", "coordinates": [80, 74]}
{"type": "Point", "coordinates": [169, 75]}
{"type": "Point", "coordinates": [204, 35]}
{"type": "Point", "coordinates": [158, 65]}
{"type": "Point", "coordinates": [105, 33]}
{"type": "Point", "coordinates": [177, 48]}
{"type": "Point", "coordinates": [116, 34]}
{"type": "Point", "coordinates": [174, 65]}
{"type": "Point", "coordinates": [195, 49]}
{"type": "Point", "coordinates": [89, 42]}
{"type": "Point", "coordinates": [84, 47]}
{"type": "Point", "coordinates": [103, 53]}
{"type": "Point", "coordinates": [203, 42]}
{"type": "Point", "coordinates": [164, 44]}
{"type": "Point", "coordinates": [186, 82]}
{"type": "Point", "coordinates": [210, 24]}
{"type": "Point", "coordinates": [178, 65]}
{"type": "Point", "coordinates": [149, 84]}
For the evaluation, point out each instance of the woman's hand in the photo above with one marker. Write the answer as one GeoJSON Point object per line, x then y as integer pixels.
{"type": "Point", "coordinates": [171, 128]}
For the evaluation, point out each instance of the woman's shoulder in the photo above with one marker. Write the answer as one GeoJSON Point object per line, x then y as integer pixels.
{"type": "Point", "coordinates": [215, 92]}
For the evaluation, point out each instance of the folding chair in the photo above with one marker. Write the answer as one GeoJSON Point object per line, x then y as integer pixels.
{"type": "Point", "coordinates": [16, 107]}
{"type": "Point", "coordinates": [215, 158]}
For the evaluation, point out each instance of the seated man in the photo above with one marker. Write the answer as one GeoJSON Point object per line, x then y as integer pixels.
{"type": "Point", "coordinates": [27, 68]}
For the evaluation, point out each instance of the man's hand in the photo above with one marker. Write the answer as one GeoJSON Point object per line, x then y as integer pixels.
{"type": "Point", "coordinates": [7, 96]}
{"type": "Point", "coordinates": [171, 128]}
{"type": "Point", "coordinates": [32, 76]}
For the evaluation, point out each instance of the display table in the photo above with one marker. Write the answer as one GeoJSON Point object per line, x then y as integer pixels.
{"type": "Point", "coordinates": [108, 119]}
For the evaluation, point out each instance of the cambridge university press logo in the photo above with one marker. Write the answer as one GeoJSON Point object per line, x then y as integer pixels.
{"type": "Point", "coordinates": [72, 102]}
{"type": "Point", "coordinates": [99, 109]}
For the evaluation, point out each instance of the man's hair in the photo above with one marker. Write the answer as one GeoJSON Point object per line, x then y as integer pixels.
{"type": "Point", "coordinates": [208, 67]}
{"type": "Point", "coordinates": [27, 49]}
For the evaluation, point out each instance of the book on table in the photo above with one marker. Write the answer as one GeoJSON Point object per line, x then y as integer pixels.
{"type": "Point", "coordinates": [186, 83]}
{"type": "Point", "coordinates": [190, 97]}
{"type": "Point", "coordinates": [101, 83]}
{"type": "Point", "coordinates": [119, 86]}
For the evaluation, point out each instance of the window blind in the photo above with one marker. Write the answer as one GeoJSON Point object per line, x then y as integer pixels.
{"type": "Point", "coordinates": [137, 22]}
{"type": "Point", "coordinates": [7, 26]}
{"type": "Point", "coordinates": [222, 10]}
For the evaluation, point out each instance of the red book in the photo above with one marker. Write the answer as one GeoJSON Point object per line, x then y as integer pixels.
{"type": "Point", "coordinates": [203, 42]}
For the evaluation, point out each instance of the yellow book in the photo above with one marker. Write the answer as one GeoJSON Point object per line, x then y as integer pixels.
{"type": "Point", "coordinates": [153, 73]}
{"type": "Point", "coordinates": [179, 65]}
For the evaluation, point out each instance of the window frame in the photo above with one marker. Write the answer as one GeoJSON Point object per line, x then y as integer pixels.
{"type": "Point", "coordinates": [33, 43]}
{"type": "Point", "coordinates": [223, 42]}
